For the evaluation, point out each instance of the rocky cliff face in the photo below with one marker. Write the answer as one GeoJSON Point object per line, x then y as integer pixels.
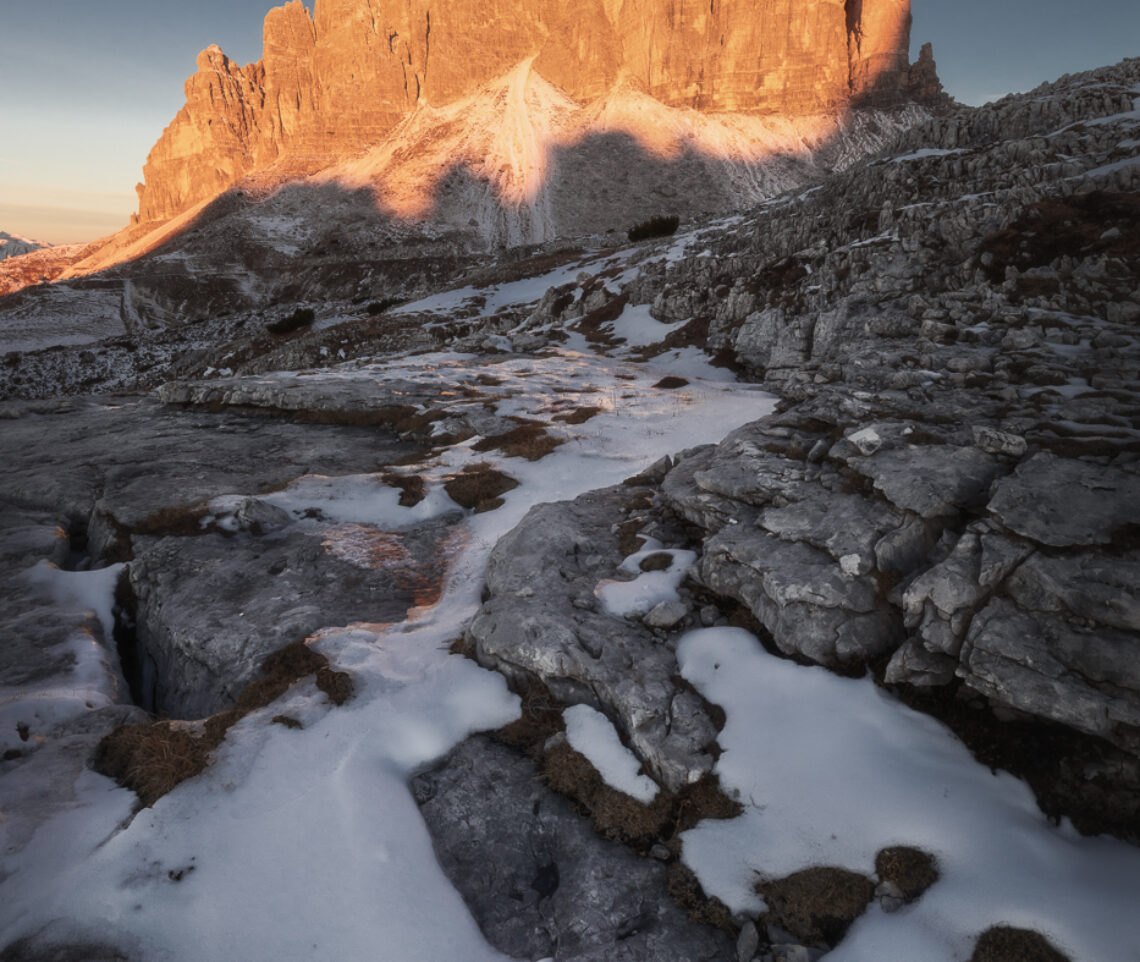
{"type": "Point", "coordinates": [333, 83]}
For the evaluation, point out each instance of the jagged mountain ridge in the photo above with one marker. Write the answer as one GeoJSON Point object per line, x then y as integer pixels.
{"type": "Point", "coordinates": [515, 163]}
{"type": "Point", "coordinates": [334, 83]}
{"type": "Point", "coordinates": [524, 141]}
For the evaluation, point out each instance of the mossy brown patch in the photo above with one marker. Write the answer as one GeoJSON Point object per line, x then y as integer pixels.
{"type": "Point", "coordinates": [540, 718]}
{"type": "Point", "coordinates": [153, 757]}
{"type": "Point", "coordinates": [685, 889]}
{"type": "Point", "coordinates": [911, 869]}
{"type": "Point", "coordinates": [412, 488]}
{"type": "Point", "coordinates": [1006, 944]}
{"type": "Point", "coordinates": [817, 904]}
{"type": "Point", "coordinates": [629, 541]}
{"type": "Point", "coordinates": [658, 561]}
{"type": "Point", "coordinates": [479, 486]}
{"type": "Point", "coordinates": [579, 415]}
{"type": "Point", "coordinates": [336, 684]}
{"type": "Point", "coordinates": [530, 441]}
{"type": "Point", "coordinates": [615, 815]}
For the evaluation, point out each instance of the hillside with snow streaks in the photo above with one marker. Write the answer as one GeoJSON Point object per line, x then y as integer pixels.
{"type": "Point", "coordinates": [14, 245]}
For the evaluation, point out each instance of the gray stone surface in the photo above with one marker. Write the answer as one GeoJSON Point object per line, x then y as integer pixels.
{"type": "Point", "coordinates": [1061, 502]}
{"type": "Point", "coordinates": [211, 608]}
{"type": "Point", "coordinates": [538, 879]}
{"type": "Point", "coordinates": [932, 481]}
{"type": "Point", "coordinates": [1087, 678]}
{"type": "Point", "coordinates": [531, 626]}
{"type": "Point", "coordinates": [809, 603]}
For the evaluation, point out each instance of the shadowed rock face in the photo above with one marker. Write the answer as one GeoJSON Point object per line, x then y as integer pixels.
{"type": "Point", "coordinates": [333, 83]}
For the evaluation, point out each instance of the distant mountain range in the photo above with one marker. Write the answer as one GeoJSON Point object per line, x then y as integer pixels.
{"type": "Point", "coordinates": [13, 245]}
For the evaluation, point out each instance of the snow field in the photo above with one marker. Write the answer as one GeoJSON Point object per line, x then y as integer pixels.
{"type": "Point", "coordinates": [831, 770]}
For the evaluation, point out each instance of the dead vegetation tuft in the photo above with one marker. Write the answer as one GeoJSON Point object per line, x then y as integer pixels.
{"type": "Point", "coordinates": [336, 684]}
{"type": "Point", "coordinates": [540, 719]}
{"type": "Point", "coordinates": [685, 889]}
{"type": "Point", "coordinates": [479, 486]}
{"type": "Point", "coordinates": [591, 324]}
{"type": "Point", "coordinates": [629, 540]}
{"type": "Point", "coordinates": [530, 441]}
{"type": "Point", "coordinates": [578, 415]}
{"type": "Point", "coordinates": [818, 904]}
{"type": "Point", "coordinates": [1004, 943]}
{"type": "Point", "coordinates": [911, 869]}
{"type": "Point", "coordinates": [658, 561]}
{"type": "Point", "coordinates": [412, 488]}
{"type": "Point", "coordinates": [616, 816]}
{"type": "Point", "coordinates": [151, 758]}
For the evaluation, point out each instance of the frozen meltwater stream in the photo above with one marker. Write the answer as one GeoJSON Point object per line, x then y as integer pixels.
{"type": "Point", "coordinates": [307, 844]}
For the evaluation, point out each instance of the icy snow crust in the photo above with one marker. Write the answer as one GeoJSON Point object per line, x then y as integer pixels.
{"type": "Point", "coordinates": [307, 844]}
{"type": "Point", "coordinates": [589, 731]}
{"type": "Point", "coordinates": [831, 770]}
{"type": "Point", "coordinates": [627, 599]}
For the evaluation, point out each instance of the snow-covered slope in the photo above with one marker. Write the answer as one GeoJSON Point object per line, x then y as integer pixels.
{"type": "Point", "coordinates": [523, 163]}
{"type": "Point", "coordinates": [13, 245]}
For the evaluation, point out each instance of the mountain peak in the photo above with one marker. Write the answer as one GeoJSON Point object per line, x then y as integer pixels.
{"type": "Point", "coordinates": [334, 84]}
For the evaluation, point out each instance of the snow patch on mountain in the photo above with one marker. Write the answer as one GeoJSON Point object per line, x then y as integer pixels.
{"type": "Point", "coordinates": [15, 245]}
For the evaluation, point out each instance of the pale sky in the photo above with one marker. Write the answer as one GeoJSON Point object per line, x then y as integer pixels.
{"type": "Point", "coordinates": [86, 88]}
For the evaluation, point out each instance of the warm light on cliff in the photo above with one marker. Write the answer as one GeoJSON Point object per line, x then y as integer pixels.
{"type": "Point", "coordinates": [508, 138]}
{"type": "Point", "coordinates": [737, 96]}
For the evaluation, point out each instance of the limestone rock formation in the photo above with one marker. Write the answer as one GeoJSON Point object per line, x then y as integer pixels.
{"type": "Point", "coordinates": [332, 84]}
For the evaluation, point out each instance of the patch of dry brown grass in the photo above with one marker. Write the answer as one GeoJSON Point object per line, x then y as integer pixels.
{"type": "Point", "coordinates": [685, 889]}
{"type": "Point", "coordinates": [629, 541]}
{"type": "Point", "coordinates": [579, 415]}
{"type": "Point", "coordinates": [530, 441]}
{"type": "Point", "coordinates": [336, 684]}
{"type": "Point", "coordinates": [1004, 943]}
{"type": "Point", "coordinates": [818, 904]}
{"type": "Point", "coordinates": [911, 869]}
{"type": "Point", "coordinates": [479, 486]}
{"type": "Point", "coordinates": [153, 757]}
{"type": "Point", "coordinates": [591, 324]}
{"type": "Point", "coordinates": [658, 561]}
{"type": "Point", "coordinates": [540, 719]}
{"type": "Point", "coordinates": [412, 488]}
{"type": "Point", "coordinates": [616, 815]}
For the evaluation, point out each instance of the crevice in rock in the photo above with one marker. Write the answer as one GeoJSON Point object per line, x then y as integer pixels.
{"type": "Point", "coordinates": [1076, 776]}
{"type": "Point", "coordinates": [137, 665]}
{"type": "Point", "coordinates": [78, 553]}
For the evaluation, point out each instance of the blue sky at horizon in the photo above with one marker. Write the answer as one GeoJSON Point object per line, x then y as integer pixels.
{"type": "Point", "coordinates": [88, 88]}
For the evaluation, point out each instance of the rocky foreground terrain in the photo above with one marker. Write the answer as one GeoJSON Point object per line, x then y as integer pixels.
{"type": "Point", "coordinates": [944, 502]}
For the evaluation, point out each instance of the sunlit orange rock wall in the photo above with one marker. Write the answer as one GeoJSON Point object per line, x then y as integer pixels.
{"type": "Point", "coordinates": [333, 83]}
